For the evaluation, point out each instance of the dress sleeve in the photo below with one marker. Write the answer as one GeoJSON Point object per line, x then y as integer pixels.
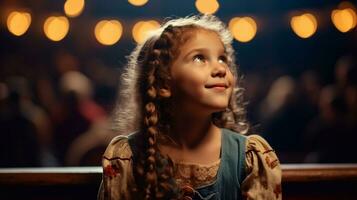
{"type": "Point", "coordinates": [117, 177]}
{"type": "Point", "coordinates": [263, 180]}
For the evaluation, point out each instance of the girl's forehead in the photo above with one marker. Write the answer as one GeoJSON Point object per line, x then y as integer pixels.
{"type": "Point", "coordinates": [198, 31]}
{"type": "Point", "coordinates": [202, 38]}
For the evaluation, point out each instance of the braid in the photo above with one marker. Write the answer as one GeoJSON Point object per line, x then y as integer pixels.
{"type": "Point", "coordinates": [156, 183]}
{"type": "Point", "coordinates": [150, 124]}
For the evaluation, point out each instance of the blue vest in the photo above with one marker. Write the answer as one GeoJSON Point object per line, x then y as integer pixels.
{"type": "Point", "coordinates": [231, 171]}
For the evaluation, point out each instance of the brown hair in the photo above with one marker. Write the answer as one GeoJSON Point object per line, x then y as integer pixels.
{"type": "Point", "coordinates": [144, 101]}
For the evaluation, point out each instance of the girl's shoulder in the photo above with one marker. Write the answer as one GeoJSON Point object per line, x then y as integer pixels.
{"type": "Point", "coordinates": [263, 170]}
{"type": "Point", "coordinates": [253, 142]}
{"type": "Point", "coordinates": [117, 171]}
{"type": "Point", "coordinates": [119, 148]}
{"type": "Point", "coordinates": [252, 146]}
{"type": "Point", "coordinates": [258, 144]}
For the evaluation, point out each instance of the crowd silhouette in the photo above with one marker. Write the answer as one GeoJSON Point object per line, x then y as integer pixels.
{"type": "Point", "coordinates": [63, 119]}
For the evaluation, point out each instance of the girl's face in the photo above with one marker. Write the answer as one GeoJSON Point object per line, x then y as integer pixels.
{"type": "Point", "coordinates": [201, 78]}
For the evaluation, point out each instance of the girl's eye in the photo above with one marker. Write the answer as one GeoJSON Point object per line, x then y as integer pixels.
{"type": "Point", "coordinates": [199, 58]}
{"type": "Point", "coordinates": [223, 59]}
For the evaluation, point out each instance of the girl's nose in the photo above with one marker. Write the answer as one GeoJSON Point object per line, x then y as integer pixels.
{"type": "Point", "coordinates": [218, 70]}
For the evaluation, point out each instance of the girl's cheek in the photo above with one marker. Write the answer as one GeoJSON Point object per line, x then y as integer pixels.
{"type": "Point", "coordinates": [232, 79]}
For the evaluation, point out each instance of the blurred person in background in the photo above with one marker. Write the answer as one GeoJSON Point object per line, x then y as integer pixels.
{"type": "Point", "coordinates": [77, 112]}
{"type": "Point", "coordinates": [20, 125]}
{"type": "Point", "coordinates": [254, 93]}
{"type": "Point", "coordinates": [87, 149]}
{"type": "Point", "coordinates": [278, 119]}
{"type": "Point", "coordinates": [325, 134]}
{"type": "Point", "coordinates": [330, 137]}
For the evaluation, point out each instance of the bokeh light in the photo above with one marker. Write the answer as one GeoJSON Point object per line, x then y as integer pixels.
{"type": "Point", "coordinates": [108, 32]}
{"type": "Point", "coordinates": [142, 29]}
{"type": "Point", "coordinates": [73, 8]}
{"type": "Point", "coordinates": [18, 22]}
{"type": "Point", "coordinates": [56, 28]}
{"type": "Point", "coordinates": [304, 25]}
{"type": "Point", "coordinates": [243, 29]}
{"type": "Point", "coordinates": [138, 2]}
{"type": "Point", "coordinates": [207, 6]}
{"type": "Point", "coordinates": [344, 19]}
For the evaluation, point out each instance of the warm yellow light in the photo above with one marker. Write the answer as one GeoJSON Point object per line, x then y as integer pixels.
{"type": "Point", "coordinates": [304, 25]}
{"type": "Point", "coordinates": [108, 32]}
{"type": "Point", "coordinates": [142, 29]}
{"type": "Point", "coordinates": [18, 22]}
{"type": "Point", "coordinates": [344, 19]}
{"type": "Point", "coordinates": [73, 8]}
{"type": "Point", "coordinates": [207, 6]}
{"type": "Point", "coordinates": [56, 28]}
{"type": "Point", "coordinates": [243, 29]}
{"type": "Point", "coordinates": [138, 2]}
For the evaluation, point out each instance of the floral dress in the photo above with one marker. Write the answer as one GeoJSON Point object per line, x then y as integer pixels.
{"type": "Point", "coordinates": [262, 172]}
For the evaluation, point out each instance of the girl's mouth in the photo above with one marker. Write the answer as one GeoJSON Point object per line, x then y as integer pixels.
{"type": "Point", "coordinates": [217, 86]}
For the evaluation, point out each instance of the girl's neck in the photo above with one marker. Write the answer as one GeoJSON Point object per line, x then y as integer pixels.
{"type": "Point", "coordinates": [190, 131]}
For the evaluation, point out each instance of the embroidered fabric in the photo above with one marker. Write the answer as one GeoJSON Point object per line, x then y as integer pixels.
{"type": "Point", "coordinates": [262, 166]}
{"type": "Point", "coordinates": [195, 175]}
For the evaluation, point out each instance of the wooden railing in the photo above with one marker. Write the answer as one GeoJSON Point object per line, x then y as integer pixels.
{"type": "Point", "coordinates": [313, 181]}
{"type": "Point", "coordinates": [300, 181]}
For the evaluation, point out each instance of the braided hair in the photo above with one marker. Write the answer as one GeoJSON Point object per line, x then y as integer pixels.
{"type": "Point", "coordinates": [145, 95]}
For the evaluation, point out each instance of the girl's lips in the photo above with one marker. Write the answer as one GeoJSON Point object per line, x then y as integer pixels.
{"type": "Point", "coordinates": [217, 85]}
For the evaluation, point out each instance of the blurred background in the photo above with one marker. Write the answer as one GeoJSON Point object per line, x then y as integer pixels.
{"type": "Point", "coordinates": [60, 62]}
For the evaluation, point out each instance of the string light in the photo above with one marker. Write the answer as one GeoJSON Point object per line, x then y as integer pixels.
{"type": "Point", "coordinates": [18, 22]}
{"type": "Point", "coordinates": [207, 6]}
{"type": "Point", "coordinates": [142, 29]}
{"type": "Point", "coordinates": [304, 25]}
{"type": "Point", "coordinates": [73, 8]}
{"type": "Point", "coordinates": [56, 28]}
{"type": "Point", "coordinates": [243, 29]}
{"type": "Point", "coordinates": [138, 2]}
{"type": "Point", "coordinates": [344, 18]}
{"type": "Point", "coordinates": [108, 32]}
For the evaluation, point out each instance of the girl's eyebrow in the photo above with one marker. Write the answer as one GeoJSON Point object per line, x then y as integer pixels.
{"type": "Point", "coordinates": [196, 50]}
{"type": "Point", "coordinates": [222, 51]}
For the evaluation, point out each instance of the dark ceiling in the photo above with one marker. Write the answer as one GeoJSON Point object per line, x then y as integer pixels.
{"type": "Point", "coordinates": [274, 46]}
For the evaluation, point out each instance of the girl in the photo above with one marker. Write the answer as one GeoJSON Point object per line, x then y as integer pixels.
{"type": "Point", "coordinates": [180, 93]}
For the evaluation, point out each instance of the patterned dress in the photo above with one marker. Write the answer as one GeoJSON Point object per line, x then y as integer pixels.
{"type": "Point", "coordinates": [262, 178]}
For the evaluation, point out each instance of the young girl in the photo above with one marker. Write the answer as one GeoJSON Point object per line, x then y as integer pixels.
{"type": "Point", "coordinates": [180, 94]}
